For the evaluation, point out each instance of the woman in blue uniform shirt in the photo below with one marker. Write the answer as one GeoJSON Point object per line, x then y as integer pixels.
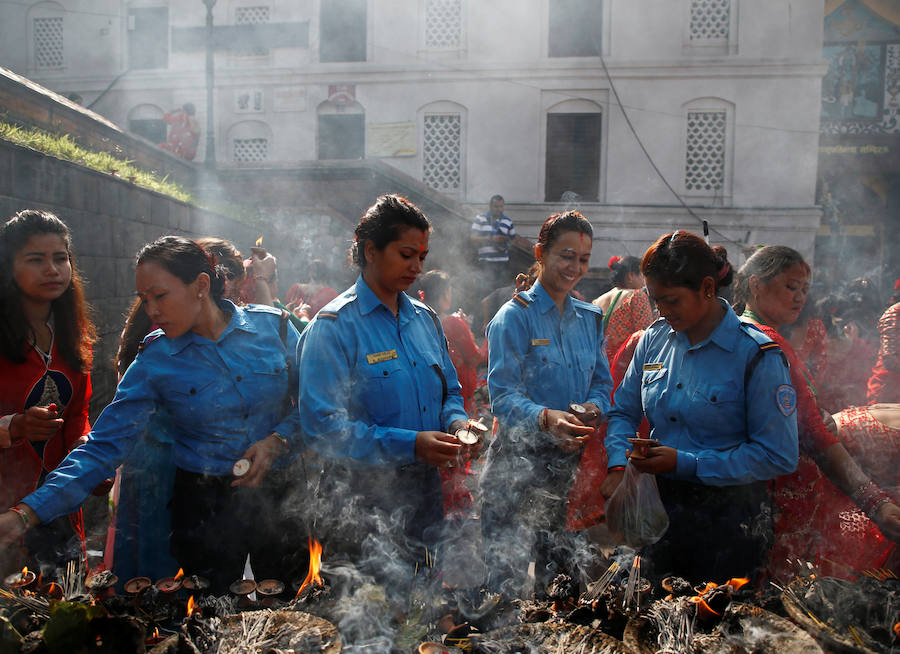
{"type": "Point", "coordinates": [221, 373]}
{"type": "Point", "coordinates": [379, 399]}
{"type": "Point", "coordinates": [718, 398]}
{"type": "Point", "coordinates": [546, 352]}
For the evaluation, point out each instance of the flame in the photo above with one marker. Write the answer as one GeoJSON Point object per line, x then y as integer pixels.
{"type": "Point", "coordinates": [709, 586]}
{"type": "Point", "coordinates": [259, 242]}
{"type": "Point", "coordinates": [25, 572]}
{"type": "Point", "coordinates": [315, 562]}
{"type": "Point", "coordinates": [179, 575]}
{"type": "Point", "coordinates": [897, 629]}
{"type": "Point", "coordinates": [190, 606]}
{"type": "Point", "coordinates": [737, 582]}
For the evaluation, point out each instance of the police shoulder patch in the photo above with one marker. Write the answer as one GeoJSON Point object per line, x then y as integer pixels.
{"type": "Point", "coordinates": [786, 398]}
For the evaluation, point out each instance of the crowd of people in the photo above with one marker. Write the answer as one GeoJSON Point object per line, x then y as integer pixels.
{"type": "Point", "coordinates": [244, 425]}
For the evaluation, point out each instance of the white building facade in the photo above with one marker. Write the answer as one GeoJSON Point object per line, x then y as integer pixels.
{"type": "Point", "coordinates": [626, 109]}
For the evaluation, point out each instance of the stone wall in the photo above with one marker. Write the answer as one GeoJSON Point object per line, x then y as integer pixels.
{"type": "Point", "coordinates": [110, 220]}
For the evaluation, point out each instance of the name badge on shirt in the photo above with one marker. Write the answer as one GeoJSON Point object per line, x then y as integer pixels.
{"type": "Point", "coordinates": [650, 367]}
{"type": "Point", "coordinates": [379, 357]}
{"type": "Point", "coordinates": [539, 341]}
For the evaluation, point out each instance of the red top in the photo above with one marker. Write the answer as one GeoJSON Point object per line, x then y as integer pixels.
{"type": "Point", "coordinates": [884, 384]}
{"type": "Point", "coordinates": [465, 356]}
{"type": "Point", "coordinates": [33, 383]}
{"type": "Point", "coordinates": [630, 314]}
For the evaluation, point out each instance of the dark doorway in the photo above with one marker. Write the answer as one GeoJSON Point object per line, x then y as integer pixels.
{"type": "Point", "coordinates": [573, 156]}
{"type": "Point", "coordinates": [342, 136]}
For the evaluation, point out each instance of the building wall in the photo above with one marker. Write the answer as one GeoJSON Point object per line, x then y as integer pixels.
{"type": "Point", "coordinates": [110, 220]}
{"type": "Point", "coordinates": [502, 81]}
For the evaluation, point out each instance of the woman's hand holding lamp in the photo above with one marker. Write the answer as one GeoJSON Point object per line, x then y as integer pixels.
{"type": "Point", "coordinates": [570, 433]}
{"type": "Point", "coordinates": [260, 457]}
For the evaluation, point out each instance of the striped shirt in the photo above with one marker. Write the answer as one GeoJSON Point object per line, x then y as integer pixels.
{"type": "Point", "coordinates": [485, 225]}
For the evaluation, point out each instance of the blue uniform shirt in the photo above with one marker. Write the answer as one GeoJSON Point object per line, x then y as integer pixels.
{"type": "Point", "coordinates": [695, 401]}
{"type": "Point", "coordinates": [369, 381]}
{"type": "Point", "coordinates": [220, 397]}
{"type": "Point", "coordinates": [539, 358]}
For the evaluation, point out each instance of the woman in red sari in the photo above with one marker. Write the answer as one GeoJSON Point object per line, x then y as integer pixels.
{"type": "Point", "coordinates": [812, 503]}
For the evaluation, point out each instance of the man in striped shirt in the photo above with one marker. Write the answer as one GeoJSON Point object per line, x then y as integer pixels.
{"type": "Point", "coordinates": [492, 232]}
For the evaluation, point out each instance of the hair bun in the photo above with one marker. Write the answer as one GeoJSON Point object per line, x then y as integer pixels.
{"type": "Point", "coordinates": [613, 260]}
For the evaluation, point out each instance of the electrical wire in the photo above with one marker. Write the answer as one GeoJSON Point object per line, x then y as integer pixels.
{"type": "Point", "coordinates": [640, 142]}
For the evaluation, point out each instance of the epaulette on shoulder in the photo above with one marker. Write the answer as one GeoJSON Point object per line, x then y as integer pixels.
{"type": "Point", "coordinates": [331, 310]}
{"type": "Point", "coordinates": [149, 338]}
{"type": "Point", "coordinates": [587, 306]}
{"type": "Point", "coordinates": [759, 336]}
{"type": "Point", "coordinates": [523, 299]}
{"type": "Point", "coordinates": [262, 308]}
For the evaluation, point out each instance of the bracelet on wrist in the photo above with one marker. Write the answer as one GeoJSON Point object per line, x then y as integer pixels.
{"type": "Point", "coordinates": [615, 469]}
{"type": "Point", "coordinates": [544, 419]}
{"type": "Point", "coordinates": [267, 280]}
{"type": "Point", "coordinates": [283, 440]}
{"type": "Point", "coordinates": [26, 521]}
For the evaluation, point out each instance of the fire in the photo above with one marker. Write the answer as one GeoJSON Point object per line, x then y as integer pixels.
{"type": "Point", "coordinates": [259, 242]}
{"type": "Point", "coordinates": [25, 571]}
{"type": "Point", "coordinates": [190, 606]}
{"type": "Point", "coordinates": [315, 562]}
{"type": "Point", "coordinates": [179, 575]}
{"type": "Point", "coordinates": [737, 582]}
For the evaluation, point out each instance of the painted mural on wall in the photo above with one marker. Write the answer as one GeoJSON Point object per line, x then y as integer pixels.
{"type": "Point", "coordinates": [861, 90]}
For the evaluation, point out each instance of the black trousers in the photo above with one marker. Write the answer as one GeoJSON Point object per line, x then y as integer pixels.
{"type": "Point", "coordinates": [715, 532]}
{"type": "Point", "coordinates": [215, 526]}
{"type": "Point", "coordinates": [523, 516]}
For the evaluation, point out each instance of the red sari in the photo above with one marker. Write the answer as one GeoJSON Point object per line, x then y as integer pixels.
{"type": "Point", "coordinates": [884, 384]}
{"type": "Point", "coordinates": [814, 520]}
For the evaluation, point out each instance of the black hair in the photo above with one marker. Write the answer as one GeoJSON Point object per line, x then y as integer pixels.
{"type": "Point", "coordinates": [496, 198]}
{"type": "Point", "coordinates": [185, 259]}
{"type": "Point", "coordinates": [225, 254]}
{"type": "Point", "coordinates": [684, 259]}
{"type": "Point", "coordinates": [558, 224]}
{"type": "Point", "coordinates": [382, 224]}
{"type": "Point", "coordinates": [621, 267]}
{"type": "Point", "coordinates": [433, 285]}
{"type": "Point", "coordinates": [74, 332]}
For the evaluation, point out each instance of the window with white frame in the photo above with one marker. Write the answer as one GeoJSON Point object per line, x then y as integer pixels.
{"type": "Point", "coordinates": [47, 42]}
{"type": "Point", "coordinates": [443, 24]}
{"type": "Point", "coordinates": [708, 145]}
{"type": "Point", "coordinates": [442, 151]}
{"type": "Point", "coordinates": [710, 20]}
{"type": "Point", "coordinates": [251, 15]}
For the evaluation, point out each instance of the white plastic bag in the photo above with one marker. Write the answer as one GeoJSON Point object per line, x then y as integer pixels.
{"type": "Point", "coordinates": [634, 513]}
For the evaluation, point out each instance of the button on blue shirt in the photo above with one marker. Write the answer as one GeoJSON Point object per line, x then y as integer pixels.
{"type": "Point", "coordinates": [370, 381]}
{"type": "Point", "coordinates": [220, 397]}
{"type": "Point", "coordinates": [696, 403]}
{"type": "Point", "coordinates": [539, 358]}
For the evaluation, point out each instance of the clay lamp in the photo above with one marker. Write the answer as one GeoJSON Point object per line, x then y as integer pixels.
{"type": "Point", "coordinates": [137, 585]}
{"type": "Point", "coordinates": [101, 584]}
{"type": "Point", "coordinates": [242, 587]}
{"type": "Point", "coordinates": [676, 587]}
{"type": "Point", "coordinates": [52, 591]}
{"type": "Point", "coordinates": [20, 580]}
{"type": "Point", "coordinates": [195, 583]}
{"type": "Point", "coordinates": [431, 647]}
{"type": "Point", "coordinates": [471, 433]}
{"type": "Point", "coordinates": [155, 638]}
{"type": "Point", "coordinates": [168, 585]}
{"type": "Point", "coordinates": [269, 589]}
{"type": "Point", "coordinates": [585, 415]}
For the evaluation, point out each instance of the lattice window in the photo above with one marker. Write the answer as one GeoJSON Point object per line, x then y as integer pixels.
{"type": "Point", "coordinates": [442, 152]}
{"type": "Point", "coordinates": [251, 15]}
{"type": "Point", "coordinates": [256, 15]}
{"type": "Point", "coordinates": [251, 150]}
{"type": "Point", "coordinates": [443, 24]}
{"type": "Point", "coordinates": [48, 42]}
{"type": "Point", "coordinates": [705, 157]}
{"type": "Point", "coordinates": [710, 20]}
